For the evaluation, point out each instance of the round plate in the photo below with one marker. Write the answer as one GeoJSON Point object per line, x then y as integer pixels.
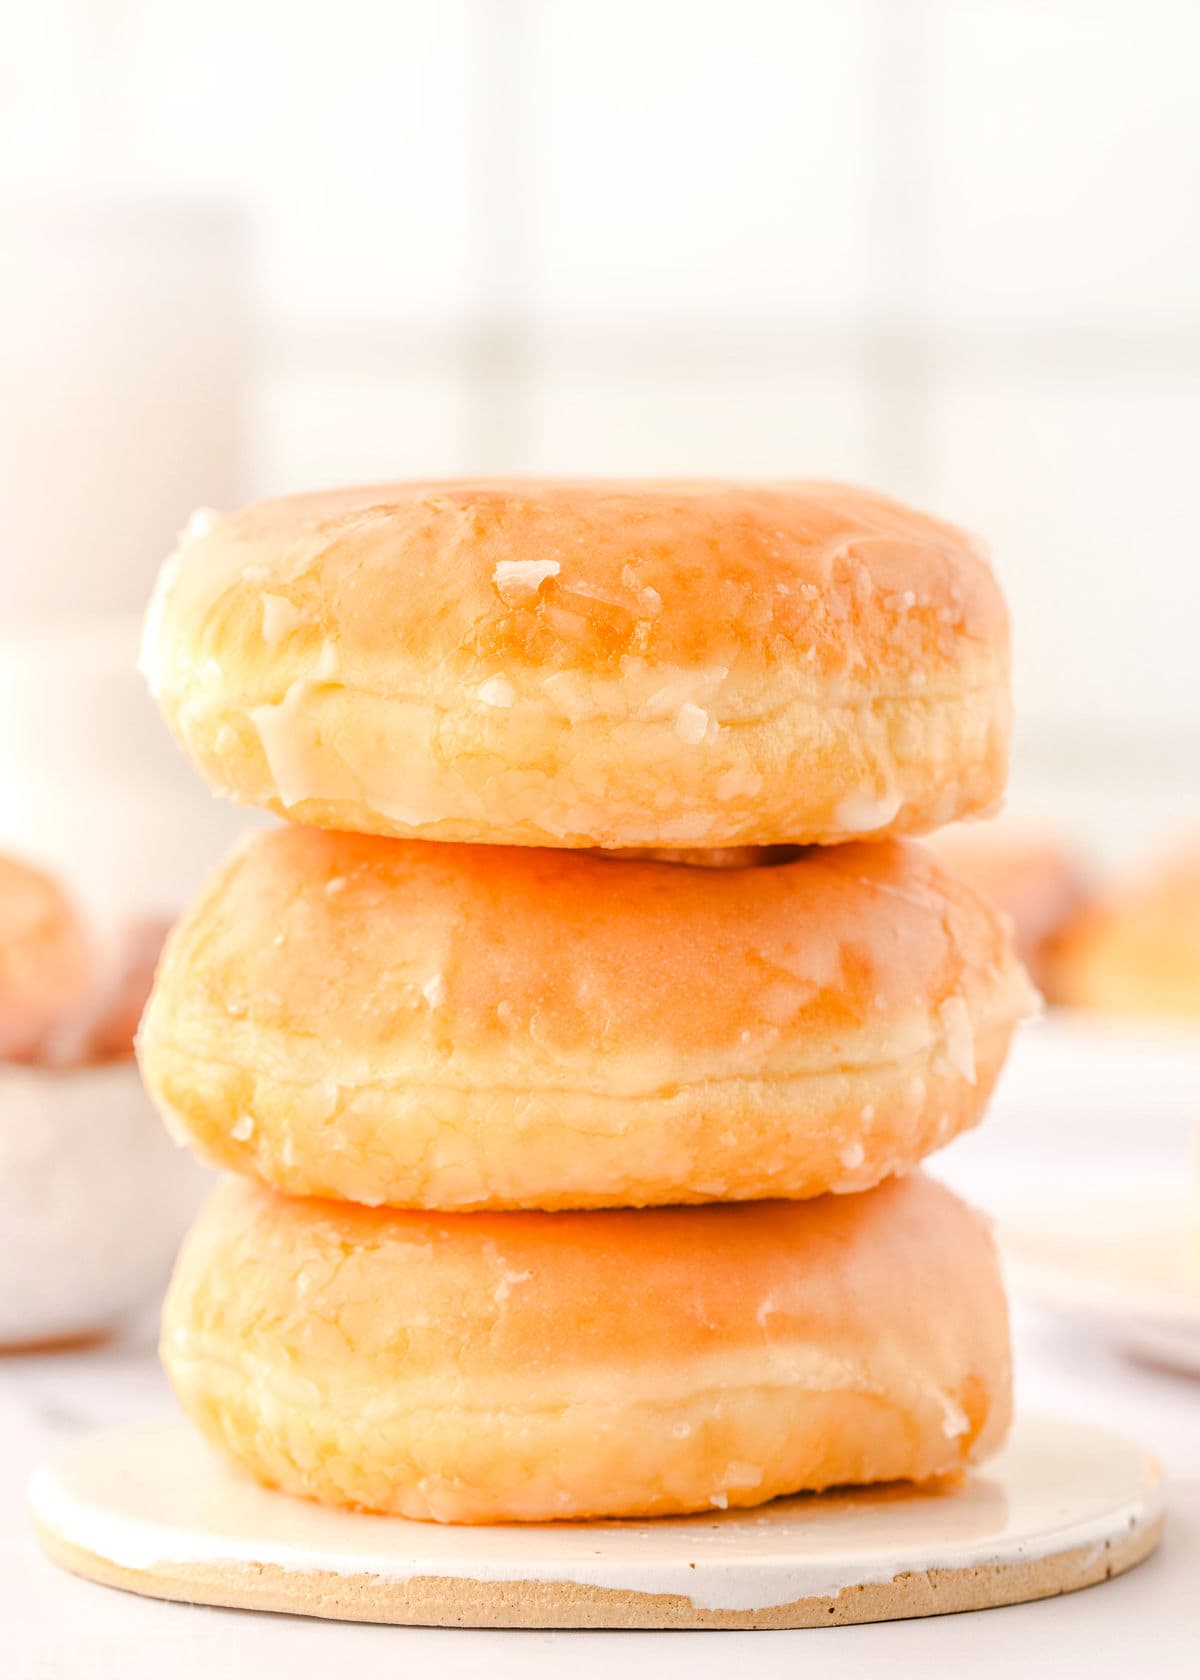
{"type": "Point", "coordinates": [148, 1508]}
{"type": "Point", "coordinates": [1127, 1263]}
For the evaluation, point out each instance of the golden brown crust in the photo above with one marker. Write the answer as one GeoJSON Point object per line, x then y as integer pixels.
{"type": "Point", "coordinates": [484, 1368]}
{"type": "Point", "coordinates": [45, 958]}
{"type": "Point", "coordinates": [1135, 949]}
{"type": "Point", "coordinates": [617, 665]}
{"type": "Point", "coordinates": [466, 1026]}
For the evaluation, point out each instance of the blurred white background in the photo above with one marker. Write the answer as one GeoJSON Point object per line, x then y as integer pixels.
{"type": "Point", "coordinates": [947, 247]}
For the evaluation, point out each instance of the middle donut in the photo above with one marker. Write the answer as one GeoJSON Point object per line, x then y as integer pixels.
{"type": "Point", "coordinates": [446, 1026]}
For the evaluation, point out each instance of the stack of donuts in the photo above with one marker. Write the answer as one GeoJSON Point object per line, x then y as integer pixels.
{"type": "Point", "coordinates": [573, 1048]}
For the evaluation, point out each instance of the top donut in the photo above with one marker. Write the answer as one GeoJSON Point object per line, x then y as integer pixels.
{"type": "Point", "coordinates": [588, 664]}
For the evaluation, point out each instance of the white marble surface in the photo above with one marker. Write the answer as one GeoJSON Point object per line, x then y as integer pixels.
{"type": "Point", "coordinates": [59, 1628]}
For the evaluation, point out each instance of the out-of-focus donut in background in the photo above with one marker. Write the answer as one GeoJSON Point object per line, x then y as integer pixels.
{"type": "Point", "coordinates": [1135, 948]}
{"type": "Point", "coordinates": [1033, 875]}
{"type": "Point", "coordinates": [46, 960]}
{"type": "Point", "coordinates": [102, 1028]}
{"type": "Point", "coordinates": [93, 1198]}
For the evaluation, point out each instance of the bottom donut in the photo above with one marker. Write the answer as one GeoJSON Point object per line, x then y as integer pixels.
{"type": "Point", "coordinates": [480, 1368]}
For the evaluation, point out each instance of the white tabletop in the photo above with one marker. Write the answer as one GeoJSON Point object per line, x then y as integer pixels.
{"type": "Point", "coordinates": [1145, 1623]}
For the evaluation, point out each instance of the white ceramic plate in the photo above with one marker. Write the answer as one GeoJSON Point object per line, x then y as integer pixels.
{"type": "Point", "coordinates": [149, 1509]}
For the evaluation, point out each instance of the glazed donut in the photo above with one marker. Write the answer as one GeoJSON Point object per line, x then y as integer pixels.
{"type": "Point", "coordinates": [104, 1024]}
{"type": "Point", "coordinates": [585, 664]}
{"type": "Point", "coordinates": [1035, 878]}
{"type": "Point", "coordinates": [1135, 949]}
{"type": "Point", "coordinates": [444, 1026]}
{"type": "Point", "coordinates": [521, 1367]}
{"type": "Point", "coordinates": [45, 958]}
